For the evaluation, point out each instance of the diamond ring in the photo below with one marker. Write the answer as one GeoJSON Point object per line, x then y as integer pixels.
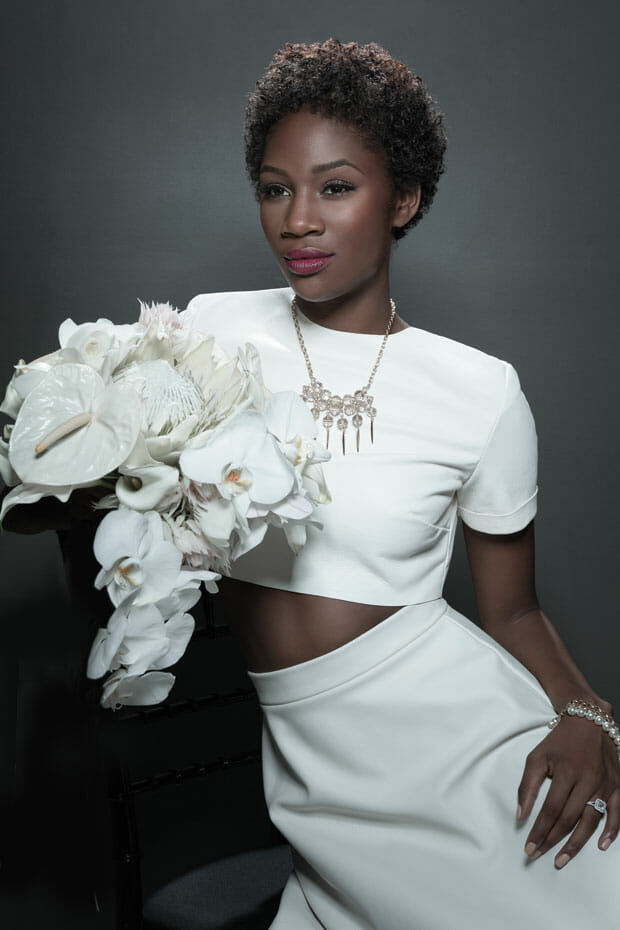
{"type": "Point", "coordinates": [598, 805]}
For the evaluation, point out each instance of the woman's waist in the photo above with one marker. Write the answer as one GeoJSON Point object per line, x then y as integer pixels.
{"type": "Point", "coordinates": [311, 662]}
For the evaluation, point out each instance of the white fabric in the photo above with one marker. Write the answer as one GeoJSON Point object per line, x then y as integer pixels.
{"type": "Point", "coordinates": [391, 764]}
{"type": "Point", "coordinates": [453, 435]}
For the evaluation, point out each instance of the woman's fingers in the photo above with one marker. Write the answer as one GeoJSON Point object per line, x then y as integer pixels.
{"type": "Point", "coordinates": [590, 822]}
{"type": "Point", "coordinates": [612, 823]}
{"type": "Point", "coordinates": [534, 774]}
{"type": "Point", "coordinates": [554, 815]}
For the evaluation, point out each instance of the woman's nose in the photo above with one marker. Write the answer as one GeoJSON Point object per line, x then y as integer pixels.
{"type": "Point", "coordinates": [303, 216]}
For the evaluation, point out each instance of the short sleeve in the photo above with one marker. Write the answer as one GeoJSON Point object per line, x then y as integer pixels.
{"type": "Point", "coordinates": [500, 495]}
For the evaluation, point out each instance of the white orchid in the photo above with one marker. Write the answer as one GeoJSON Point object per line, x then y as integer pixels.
{"type": "Point", "coordinates": [135, 557]}
{"type": "Point", "coordinates": [121, 688]}
{"type": "Point", "coordinates": [139, 638]}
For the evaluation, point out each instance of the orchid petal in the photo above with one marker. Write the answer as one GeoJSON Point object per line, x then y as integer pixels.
{"type": "Point", "coordinates": [122, 688]}
{"type": "Point", "coordinates": [287, 416]}
{"type": "Point", "coordinates": [178, 630]}
{"type": "Point", "coordinates": [106, 644]}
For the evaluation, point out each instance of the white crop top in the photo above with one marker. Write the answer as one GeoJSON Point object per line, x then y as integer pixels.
{"type": "Point", "coordinates": [454, 435]}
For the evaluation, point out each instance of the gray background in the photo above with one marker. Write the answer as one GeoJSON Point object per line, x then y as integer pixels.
{"type": "Point", "coordinates": [125, 180]}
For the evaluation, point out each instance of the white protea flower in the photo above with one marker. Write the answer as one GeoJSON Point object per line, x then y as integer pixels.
{"type": "Point", "coordinates": [73, 428]}
{"type": "Point", "coordinates": [135, 557]}
{"type": "Point", "coordinates": [121, 688]}
{"type": "Point", "coordinates": [168, 397]}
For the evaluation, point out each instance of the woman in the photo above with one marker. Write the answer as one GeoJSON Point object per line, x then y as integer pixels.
{"type": "Point", "coordinates": [406, 751]}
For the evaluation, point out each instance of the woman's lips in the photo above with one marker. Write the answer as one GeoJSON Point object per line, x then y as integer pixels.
{"type": "Point", "coordinates": [306, 261]}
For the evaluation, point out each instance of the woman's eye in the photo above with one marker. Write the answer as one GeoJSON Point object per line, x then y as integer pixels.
{"type": "Point", "coordinates": [270, 191]}
{"type": "Point", "coordinates": [338, 187]}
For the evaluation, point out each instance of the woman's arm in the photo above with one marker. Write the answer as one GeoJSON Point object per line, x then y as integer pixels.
{"type": "Point", "coordinates": [577, 755]}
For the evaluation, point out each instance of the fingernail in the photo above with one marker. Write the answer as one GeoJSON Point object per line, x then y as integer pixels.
{"type": "Point", "coordinates": [519, 812]}
{"type": "Point", "coordinates": [606, 843]}
{"type": "Point", "coordinates": [530, 849]}
{"type": "Point", "coordinates": [561, 861]}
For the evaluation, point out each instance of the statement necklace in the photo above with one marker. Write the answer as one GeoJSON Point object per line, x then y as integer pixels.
{"type": "Point", "coordinates": [332, 405]}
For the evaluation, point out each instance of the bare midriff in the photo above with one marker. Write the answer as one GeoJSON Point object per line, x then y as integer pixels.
{"type": "Point", "coordinates": [277, 628]}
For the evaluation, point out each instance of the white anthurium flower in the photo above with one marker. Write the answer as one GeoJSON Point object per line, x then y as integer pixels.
{"type": "Point", "coordinates": [106, 644]}
{"type": "Point", "coordinates": [121, 689]}
{"type": "Point", "coordinates": [135, 557]}
{"type": "Point", "coordinates": [72, 428]}
{"type": "Point", "coordinates": [7, 473]}
{"type": "Point", "coordinates": [31, 493]}
{"type": "Point", "coordinates": [12, 400]}
{"type": "Point", "coordinates": [101, 345]}
{"type": "Point", "coordinates": [28, 375]}
{"type": "Point", "coordinates": [241, 458]}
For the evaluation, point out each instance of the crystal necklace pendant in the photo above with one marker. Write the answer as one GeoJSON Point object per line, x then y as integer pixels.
{"type": "Point", "coordinates": [333, 407]}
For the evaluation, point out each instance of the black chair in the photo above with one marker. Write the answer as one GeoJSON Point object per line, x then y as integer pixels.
{"type": "Point", "coordinates": [165, 880]}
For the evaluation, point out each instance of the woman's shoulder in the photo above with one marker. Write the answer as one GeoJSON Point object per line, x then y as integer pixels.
{"type": "Point", "coordinates": [464, 367]}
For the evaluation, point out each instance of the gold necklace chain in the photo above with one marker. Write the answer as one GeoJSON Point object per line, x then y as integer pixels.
{"type": "Point", "coordinates": [332, 405]}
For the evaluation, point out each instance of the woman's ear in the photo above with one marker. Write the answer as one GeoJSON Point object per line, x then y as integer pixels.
{"type": "Point", "coordinates": [406, 205]}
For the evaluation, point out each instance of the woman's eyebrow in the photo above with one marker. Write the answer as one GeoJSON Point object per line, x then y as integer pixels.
{"type": "Point", "coordinates": [334, 164]}
{"type": "Point", "coordinates": [317, 169]}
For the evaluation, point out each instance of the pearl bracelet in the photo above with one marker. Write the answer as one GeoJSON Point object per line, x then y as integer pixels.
{"type": "Point", "coordinates": [593, 712]}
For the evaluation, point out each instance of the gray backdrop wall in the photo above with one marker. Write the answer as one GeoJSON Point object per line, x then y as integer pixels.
{"type": "Point", "coordinates": [125, 179]}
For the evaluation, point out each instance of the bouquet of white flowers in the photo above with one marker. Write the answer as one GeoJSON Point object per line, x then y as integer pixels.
{"type": "Point", "coordinates": [199, 457]}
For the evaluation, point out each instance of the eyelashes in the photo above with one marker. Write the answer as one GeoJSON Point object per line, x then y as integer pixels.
{"type": "Point", "coordinates": [273, 191]}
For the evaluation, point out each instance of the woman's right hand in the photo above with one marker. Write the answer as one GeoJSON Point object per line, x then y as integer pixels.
{"type": "Point", "coordinates": [51, 514]}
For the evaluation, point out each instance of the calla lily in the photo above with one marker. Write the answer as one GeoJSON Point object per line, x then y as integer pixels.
{"type": "Point", "coordinates": [121, 689]}
{"type": "Point", "coordinates": [148, 487]}
{"type": "Point", "coordinates": [98, 426]}
{"type": "Point", "coordinates": [135, 558]}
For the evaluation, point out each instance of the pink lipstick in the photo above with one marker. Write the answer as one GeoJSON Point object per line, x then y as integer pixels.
{"type": "Point", "coordinates": [306, 261]}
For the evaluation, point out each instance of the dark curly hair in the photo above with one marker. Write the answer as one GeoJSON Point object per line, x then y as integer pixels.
{"type": "Point", "coordinates": [362, 85]}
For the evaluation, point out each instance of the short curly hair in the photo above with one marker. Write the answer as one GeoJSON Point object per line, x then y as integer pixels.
{"type": "Point", "coordinates": [362, 85]}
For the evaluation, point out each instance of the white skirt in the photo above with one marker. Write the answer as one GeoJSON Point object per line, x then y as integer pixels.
{"type": "Point", "coordinates": [391, 765]}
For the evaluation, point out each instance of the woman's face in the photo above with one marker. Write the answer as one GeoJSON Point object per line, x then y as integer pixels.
{"type": "Point", "coordinates": [327, 207]}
